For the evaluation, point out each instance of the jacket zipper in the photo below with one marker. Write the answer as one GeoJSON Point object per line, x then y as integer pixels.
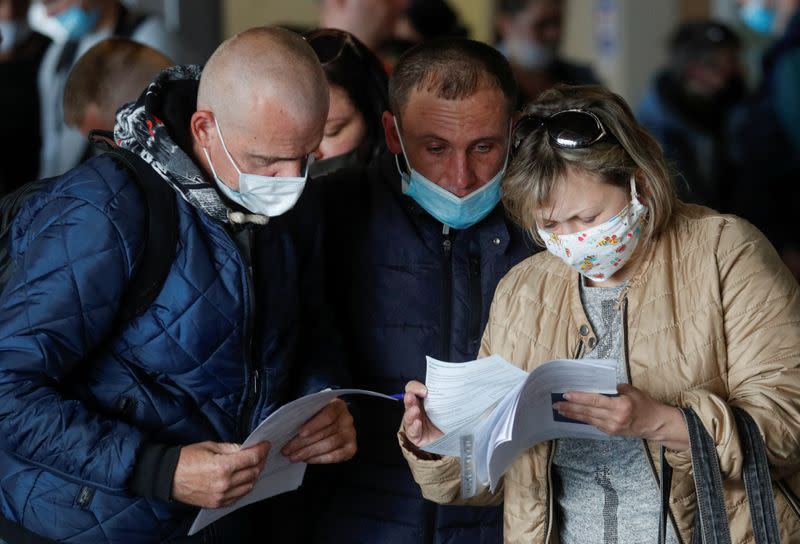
{"type": "Point", "coordinates": [447, 291]}
{"type": "Point", "coordinates": [551, 453]}
{"type": "Point", "coordinates": [622, 306]}
{"type": "Point", "coordinates": [251, 388]}
{"type": "Point", "coordinates": [578, 350]}
{"type": "Point", "coordinates": [475, 304]}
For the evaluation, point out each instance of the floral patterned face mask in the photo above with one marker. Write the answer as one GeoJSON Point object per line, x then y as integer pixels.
{"type": "Point", "coordinates": [600, 251]}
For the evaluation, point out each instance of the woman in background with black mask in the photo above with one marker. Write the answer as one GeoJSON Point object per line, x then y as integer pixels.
{"type": "Point", "coordinates": [358, 97]}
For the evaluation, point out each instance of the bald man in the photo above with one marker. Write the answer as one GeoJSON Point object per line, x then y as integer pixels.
{"type": "Point", "coordinates": [118, 432]}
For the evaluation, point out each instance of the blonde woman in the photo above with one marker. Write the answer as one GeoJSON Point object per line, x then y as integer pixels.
{"type": "Point", "coordinates": [696, 307]}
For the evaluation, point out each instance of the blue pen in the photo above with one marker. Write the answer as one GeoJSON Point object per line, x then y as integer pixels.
{"type": "Point", "coordinates": [398, 396]}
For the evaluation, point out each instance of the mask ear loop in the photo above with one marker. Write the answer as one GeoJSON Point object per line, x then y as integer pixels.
{"type": "Point", "coordinates": [225, 147]}
{"type": "Point", "coordinates": [634, 194]}
{"type": "Point", "coordinates": [402, 147]}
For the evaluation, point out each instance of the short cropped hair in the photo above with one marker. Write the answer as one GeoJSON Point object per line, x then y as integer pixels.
{"type": "Point", "coordinates": [537, 166]}
{"type": "Point", "coordinates": [453, 69]}
{"type": "Point", "coordinates": [109, 74]}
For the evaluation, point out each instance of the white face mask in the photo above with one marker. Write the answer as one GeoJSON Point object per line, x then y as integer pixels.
{"type": "Point", "coordinates": [264, 195]}
{"type": "Point", "coordinates": [12, 33]}
{"type": "Point", "coordinates": [598, 252]}
{"type": "Point", "coordinates": [530, 54]}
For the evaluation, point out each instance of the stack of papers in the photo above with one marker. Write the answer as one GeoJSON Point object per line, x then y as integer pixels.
{"type": "Point", "coordinates": [504, 410]}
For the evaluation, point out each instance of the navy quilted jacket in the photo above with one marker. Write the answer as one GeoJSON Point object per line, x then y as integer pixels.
{"type": "Point", "coordinates": [202, 363]}
{"type": "Point", "coordinates": [403, 290]}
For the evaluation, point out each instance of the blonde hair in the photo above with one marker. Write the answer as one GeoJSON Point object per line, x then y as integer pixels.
{"type": "Point", "coordinates": [538, 166]}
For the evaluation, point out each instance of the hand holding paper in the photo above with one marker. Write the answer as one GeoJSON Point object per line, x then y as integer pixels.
{"type": "Point", "coordinates": [328, 437]}
{"type": "Point", "coordinates": [280, 474]}
{"type": "Point", "coordinates": [497, 410]}
{"type": "Point", "coordinates": [419, 429]}
{"type": "Point", "coordinates": [214, 474]}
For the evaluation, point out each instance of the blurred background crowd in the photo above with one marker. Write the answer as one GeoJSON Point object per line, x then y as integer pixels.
{"type": "Point", "coordinates": [716, 81]}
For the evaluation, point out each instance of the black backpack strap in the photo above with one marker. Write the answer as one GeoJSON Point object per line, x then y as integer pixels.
{"type": "Point", "coordinates": [161, 237]}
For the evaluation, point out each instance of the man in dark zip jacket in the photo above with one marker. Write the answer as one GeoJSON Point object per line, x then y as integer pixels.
{"type": "Point", "coordinates": [418, 243]}
{"type": "Point", "coordinates": [118, 432]}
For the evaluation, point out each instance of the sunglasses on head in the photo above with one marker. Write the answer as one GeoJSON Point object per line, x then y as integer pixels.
{"type": "Point", "coordinates": [568, 129]}
{"type": "Point", "coordinates": [329, 44]}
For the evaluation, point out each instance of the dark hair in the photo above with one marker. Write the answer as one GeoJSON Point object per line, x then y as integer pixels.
{"type": "Point", "coordinates": [453, 68]}
{"type": "Point", "coordinates": [361, 74]}
{"type": "Point", "coordinates": [694, 40]}
{"type": "Point", "coordinates": [435, 19]}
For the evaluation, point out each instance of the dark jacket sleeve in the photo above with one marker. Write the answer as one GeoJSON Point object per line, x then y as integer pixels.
{"type": "Point", "coordinates": [71, 266]}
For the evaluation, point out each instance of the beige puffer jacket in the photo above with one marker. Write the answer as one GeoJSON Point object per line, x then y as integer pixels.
{"type": "Point", "coordinates": [711, 319]}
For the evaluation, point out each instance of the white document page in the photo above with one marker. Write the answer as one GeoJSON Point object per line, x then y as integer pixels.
{"type": "Point", "coordinates": [280, 474]}
{"type": "Point", "coordinates": [462, 395]}
{"type": "Point", "coordinates": [530, 419]}
{"type": "Point", "coordinates": [458, 393]}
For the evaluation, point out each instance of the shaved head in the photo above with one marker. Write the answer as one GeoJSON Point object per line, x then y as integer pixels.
{"type": "Point", "coordinates": [263, 97]}
{"type": "Point", "coordinates": [261, 65]}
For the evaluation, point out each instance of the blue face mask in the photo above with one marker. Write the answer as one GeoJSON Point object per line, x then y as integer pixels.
{"type": "Point", "coordinates": [757, 16]}
{"type": "Point", "coordinates": [77, 21]}
{"type": "Point", "coordinates": [455, 212]}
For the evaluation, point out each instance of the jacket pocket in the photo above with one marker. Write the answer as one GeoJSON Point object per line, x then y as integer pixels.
{"type": "Point", "coordinates": [56, 508]}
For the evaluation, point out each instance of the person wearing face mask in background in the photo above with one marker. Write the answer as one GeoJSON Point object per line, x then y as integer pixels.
{"type": "Point", "coordinates": [358, 89]}
{"type": "Point", "coordinates": [21, 52]}
{"type": "Point", "coordinates": [688, 106]}
{"type": "Point", "coordinates": [765, 132]}
{"type": "Point", "coordinates": [695, 307]}
{"type": "Point", "coordinates": [529, 34]}
{"type": "Point", "coordinates": [85, 23]}
{"type": "Point", "coordinates": [416, 243]}
{"type": "Point", "coordinates": [120, 431]}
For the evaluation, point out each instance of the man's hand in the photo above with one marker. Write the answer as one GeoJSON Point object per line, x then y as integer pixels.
{"type": "Point", "coordinates": [328, 437]}
{"type": "Point", "coordinates": [214, 474]}
{"type": "Point", "coordinates": [419, 429]}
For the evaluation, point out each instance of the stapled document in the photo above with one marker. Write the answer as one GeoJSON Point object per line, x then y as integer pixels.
{"type": "Point", "coordinates": [506, 410]}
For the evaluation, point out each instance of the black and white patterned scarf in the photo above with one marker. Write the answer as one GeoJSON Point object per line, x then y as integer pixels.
{"type": "Point", "coordinates": [141, 131]}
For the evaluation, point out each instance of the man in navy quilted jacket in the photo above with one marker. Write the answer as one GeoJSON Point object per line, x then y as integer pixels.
{"type": "Point", "coordinates": [118, 432]}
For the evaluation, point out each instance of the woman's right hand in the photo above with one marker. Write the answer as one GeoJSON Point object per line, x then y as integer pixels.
{"type": "Point", "coordinates": [419, 429]}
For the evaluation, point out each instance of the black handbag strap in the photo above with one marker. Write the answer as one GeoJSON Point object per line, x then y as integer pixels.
{"type": "Point", "coordinates": [712, 517]}
{"type": "Point", "coordinates": [666, 482]}
{"type": "Point", "coordinates": [757, 479]}
{"type": "Point", "coordinates": [708, 482]}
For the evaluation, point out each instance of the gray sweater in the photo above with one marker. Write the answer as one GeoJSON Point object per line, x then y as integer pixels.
{"type": "Point", "coordinates": [606, 493]}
